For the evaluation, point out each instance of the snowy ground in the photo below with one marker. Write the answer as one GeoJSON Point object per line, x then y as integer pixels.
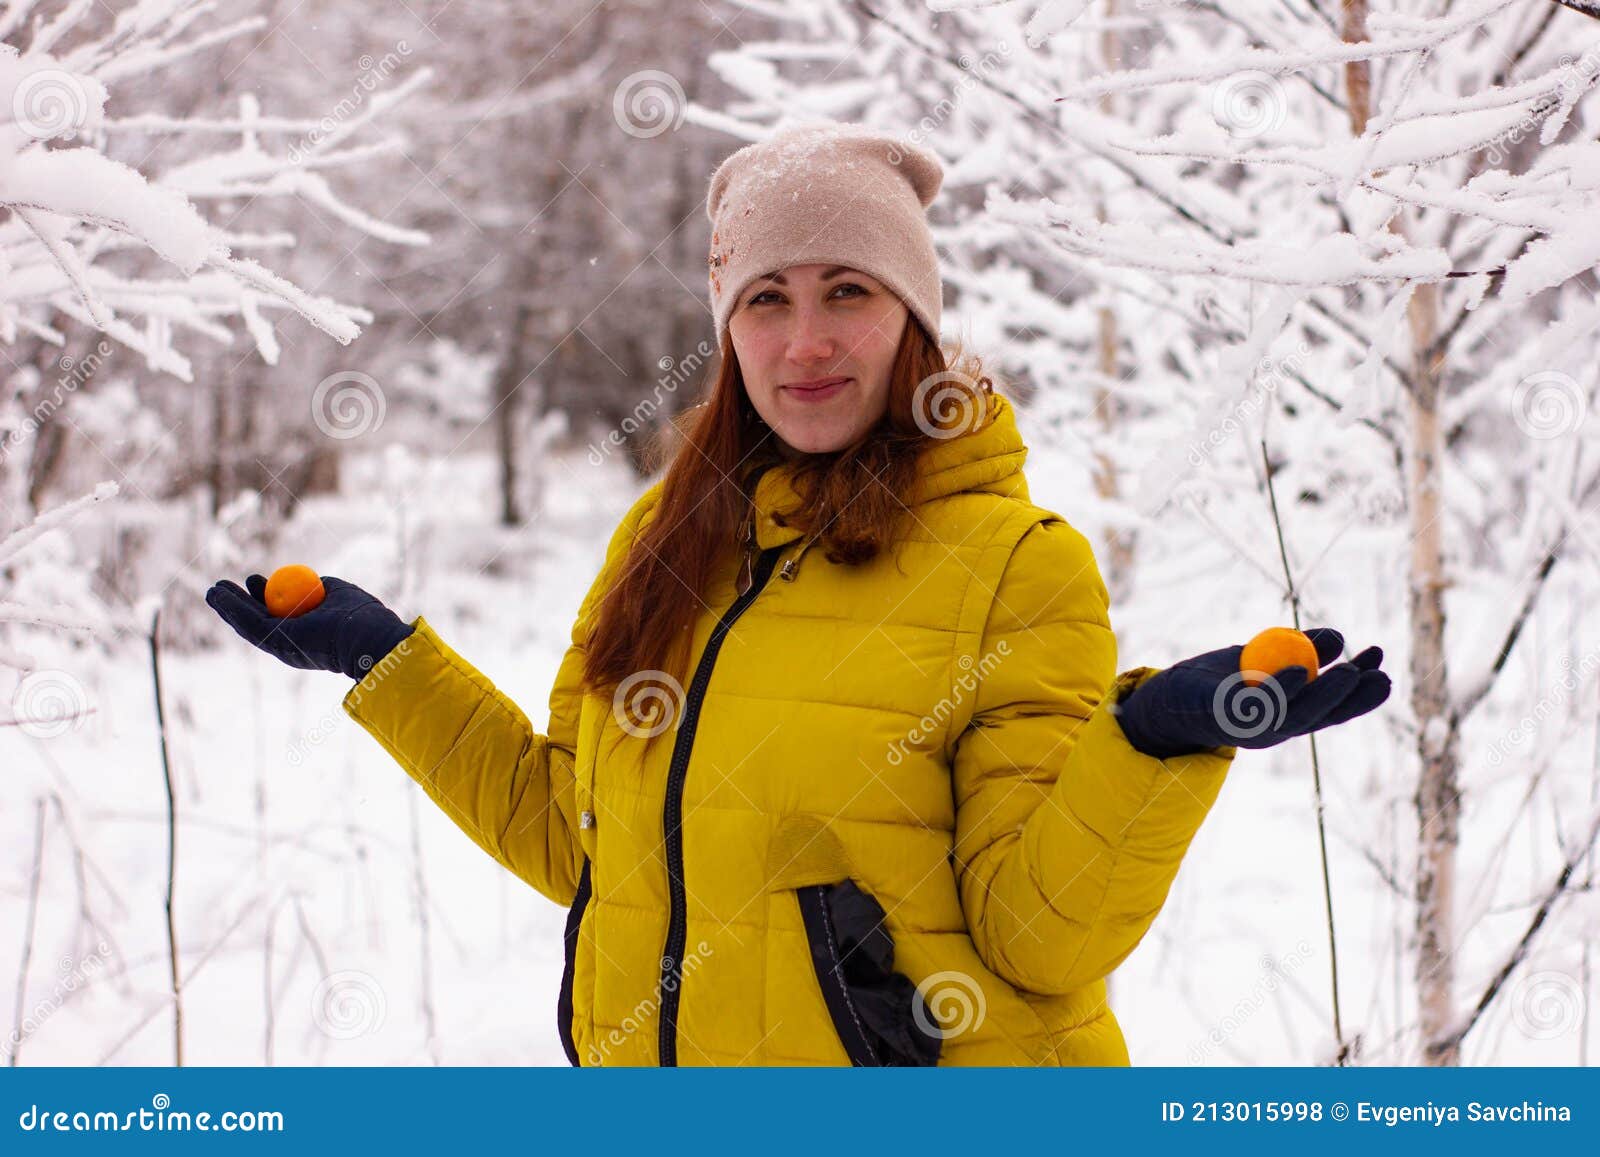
{"type": "Point", "coordinates": [298, 869]}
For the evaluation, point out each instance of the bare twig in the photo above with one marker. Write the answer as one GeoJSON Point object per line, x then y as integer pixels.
{"type": "Point", "coordinates": [1585, 967]}
{"type": "Point", "coordinates": [27, 935]}
{"type": "Point", "coordinates": [1520, 952]}
{"type": "Point", "coordinates": [1342, 1056]}
{"type": "Point", "coordinates": [430, 1018]}
{"type": "Point", "coordinates": [47, 720]}
{"type": "Point", "coordinates": [172, 843]}
{"type": "Point", "coordinates": [1388, 873]}
{"type": "Point", "coordinates": [268, 1005]}
{"type": "Point", "coordinates": [99, 932]}
{"type": "Point", "coordinates": [1587, 8]}
{"type": "Point", "coordinates": [1472, 696]}
{"type": "Point", "coordinates": [155, 1009]}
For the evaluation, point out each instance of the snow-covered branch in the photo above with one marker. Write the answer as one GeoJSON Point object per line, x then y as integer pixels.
{"type": "Point", "coordinates": [71, 203]}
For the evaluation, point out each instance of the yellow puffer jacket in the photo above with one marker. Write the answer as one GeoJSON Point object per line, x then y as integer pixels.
{"type": "Point", "coordinates": [924, 740]}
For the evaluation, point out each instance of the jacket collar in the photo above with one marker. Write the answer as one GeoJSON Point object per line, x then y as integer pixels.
{"type": "Point", "coordinates": [987, 459]}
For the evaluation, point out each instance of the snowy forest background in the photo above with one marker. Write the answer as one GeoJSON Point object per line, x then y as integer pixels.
{"type": "Point", "coordinates": [1297, 297]}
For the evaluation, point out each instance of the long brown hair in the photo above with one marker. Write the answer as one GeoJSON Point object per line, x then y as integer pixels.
{"type": "Point", "coordinates": [852, 500]}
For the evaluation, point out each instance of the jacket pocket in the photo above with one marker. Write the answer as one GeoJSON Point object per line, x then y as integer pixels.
{"type": "Point", "coordinates": [569, 935]}
{"type": "Point", "coordinates": [880, 1016]}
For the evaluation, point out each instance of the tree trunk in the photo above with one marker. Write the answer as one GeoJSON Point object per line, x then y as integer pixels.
{"type": "Point", "coordinates": [1119, 542]}
{"type": "Point", "coordinates": [1438, 796]}
{"type": "Point", "coordinates": [218, 477]}
{"type": "Point", "coordinates": [506, 411]}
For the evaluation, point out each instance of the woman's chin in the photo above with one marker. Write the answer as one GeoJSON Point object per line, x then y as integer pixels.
{"type": "Point", "coordinates": [817, 438]}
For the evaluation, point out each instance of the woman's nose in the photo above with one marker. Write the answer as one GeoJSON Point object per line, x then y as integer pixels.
{"type": "Point", "coordinates": [809, 342]}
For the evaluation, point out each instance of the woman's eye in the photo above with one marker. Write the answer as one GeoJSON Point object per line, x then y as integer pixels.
{"type": "Point", "coordinates": [860, 291]}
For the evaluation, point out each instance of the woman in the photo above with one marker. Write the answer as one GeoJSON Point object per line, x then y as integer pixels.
{"type": "Point", "coordinates": [839, 768]}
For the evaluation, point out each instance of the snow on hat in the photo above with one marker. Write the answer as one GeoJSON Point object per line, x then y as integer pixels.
{"type": "Point", "coordinates": [830, 193]}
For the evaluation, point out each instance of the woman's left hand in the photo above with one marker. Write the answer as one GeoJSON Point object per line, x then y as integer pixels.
{"type": "Point", "coordinates": [1204, 702]}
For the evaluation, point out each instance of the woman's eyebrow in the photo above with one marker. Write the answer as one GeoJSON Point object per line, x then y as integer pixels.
{"type": "Point", "coordinates": [827, 274]}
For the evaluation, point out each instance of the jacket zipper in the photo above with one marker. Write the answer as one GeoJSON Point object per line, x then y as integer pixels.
{"type": "Point", "coordinates": [747, 557]}
{"type": "Point", "coordinates": [672, 814]}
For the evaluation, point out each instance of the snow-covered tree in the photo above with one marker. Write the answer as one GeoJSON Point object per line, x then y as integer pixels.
{"type": "Point", "coordinates": [138, 253]}
{"type": "Point", "coordinates": [75, 216]}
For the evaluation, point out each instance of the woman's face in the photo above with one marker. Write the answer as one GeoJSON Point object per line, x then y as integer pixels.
{"type": "Point", "coordinates": [815, 344]}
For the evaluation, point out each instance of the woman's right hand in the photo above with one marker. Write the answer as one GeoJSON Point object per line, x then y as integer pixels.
{"type": "Point", "coordinates": [348, 632]}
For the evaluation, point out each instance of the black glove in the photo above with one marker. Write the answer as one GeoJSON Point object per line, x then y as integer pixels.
{"type": "Point", "coordinates": [348, 632]}
{"type": "Point", "coordinates": [1204, 702]}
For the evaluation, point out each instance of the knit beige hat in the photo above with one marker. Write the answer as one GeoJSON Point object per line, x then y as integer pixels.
{"type": "Point", "coordinates": [828, 192]}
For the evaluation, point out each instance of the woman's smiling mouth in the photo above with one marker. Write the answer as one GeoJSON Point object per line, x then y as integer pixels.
{"type": "Point", "coordinates": [816, 391]}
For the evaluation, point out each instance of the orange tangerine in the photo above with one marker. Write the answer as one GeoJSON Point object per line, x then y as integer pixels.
{"type": "Point", "coordinates": [293, 590]}
{"type": "Point", "coordinates": [1274, 649]}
